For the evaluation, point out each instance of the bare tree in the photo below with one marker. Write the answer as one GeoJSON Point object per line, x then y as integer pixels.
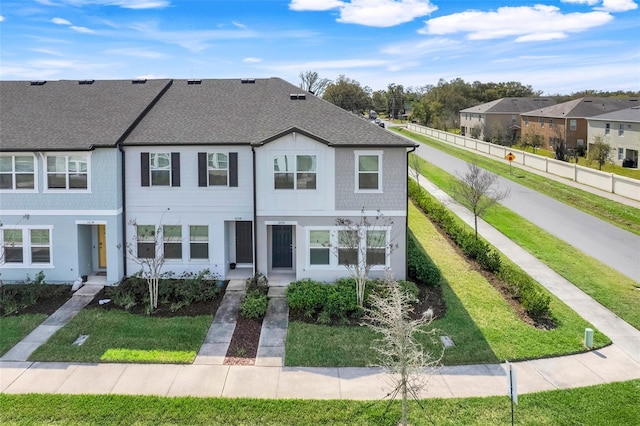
{"type": "Point", "coordinates": [416, 165]}
{"type": "Point", "coordinates": [147, 250]}
{"type": "Point", "coordinates": [361, 245]}
{"type": "Point", "coordinates": [400, 354]}
{"type": "Point", "coordinates": [478, 190]}
{"type": "Point", "coordinates": [311, 82]}
{"type": "Point", "coordinates": [599, 151]}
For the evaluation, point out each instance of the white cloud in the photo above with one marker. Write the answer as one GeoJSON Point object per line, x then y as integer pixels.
{"type": "Point", "coordinates": [587, 2]}
{"type": "Point", "coordinates": [525, 23]}
{"type": "Point", "coordinates": [617, 5]}
{"type": "Point", "coordinates": [1, 18]}
{"type": "Point", "coordinates": [60, 21]}
{"type": "Point", "coordinates": [239, 25]}
{"type": "Point", "coordinates": [83, 30]}
{"type": "Point", "coordinates": [252, 60]}
{"type": "Point", "coordinates": [372, 13]}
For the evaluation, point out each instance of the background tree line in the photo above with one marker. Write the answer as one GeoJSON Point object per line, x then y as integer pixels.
{"type": "Point", "coordinates": [436, 106]}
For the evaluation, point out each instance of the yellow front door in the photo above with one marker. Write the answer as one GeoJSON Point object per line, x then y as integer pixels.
{"type": "Point", "coordinates": [102, 246]}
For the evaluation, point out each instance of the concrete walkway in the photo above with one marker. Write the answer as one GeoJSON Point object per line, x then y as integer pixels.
{"type": "Point", "coordinates": [207, 377]}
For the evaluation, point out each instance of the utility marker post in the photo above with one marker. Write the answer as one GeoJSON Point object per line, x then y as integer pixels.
{"type": "Point", "coordinates": [512, 388]}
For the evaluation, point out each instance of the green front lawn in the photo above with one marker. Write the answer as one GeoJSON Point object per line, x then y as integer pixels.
{"type": "Point", "coordinates": [118, 336]}
{"type": "Point", "coordinates": [15, 328]}
{"type": "Point", "coordinates": [609, 404]}
{"type": "Point", "coordinates": [612, 289]}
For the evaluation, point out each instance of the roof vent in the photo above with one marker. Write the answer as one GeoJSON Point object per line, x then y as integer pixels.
{"type": "Point", "coordinates": [298, 96]}
{"type": "Point", "coordinates": [193, 81]}
{"type": "Point", "coordinates": [248, 81]}
{"type": "Point", "coordinates": [139, 81]}
{"type": "Point", "coordinates": [38, 82]}
{"type": "Point", "coordinates": [86, 81]}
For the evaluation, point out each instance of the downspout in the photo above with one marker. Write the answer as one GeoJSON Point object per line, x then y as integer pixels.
{"type": "Point", "coordinates": [406, 220]}
{"type": "Point", "coordinates": [255, 214]}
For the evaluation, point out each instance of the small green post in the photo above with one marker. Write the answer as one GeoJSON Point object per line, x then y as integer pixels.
{"type": "Point", "coordinates": [588, 338]}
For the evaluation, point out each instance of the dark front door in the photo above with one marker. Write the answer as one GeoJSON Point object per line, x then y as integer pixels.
{"type": "Point", "coordinates": [244, 242]}
{"type": "Point", "coordinates": [282, 247]}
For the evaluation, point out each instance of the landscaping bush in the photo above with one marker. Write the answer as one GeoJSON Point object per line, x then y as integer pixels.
{"type": "Point", "coordinates": [420, 265]}
{"type": "Point", "coordinates": [312, 298]}
{"type": "Point", "coordinates": [254, 305]}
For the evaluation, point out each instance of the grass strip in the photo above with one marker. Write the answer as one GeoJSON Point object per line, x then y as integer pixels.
{"type": "Point", "coordinates": [118, 336]}
{"type": "Point", "coordinates": [610, 288]}
{"type": "Point", "coordinates": [15, 328]}
{"type": "Point", "coordinates": [508, 337]}
{"type": "Point", "coordinates": [620, 215]}
{"type": "Point", "coordinates": [614, 403]}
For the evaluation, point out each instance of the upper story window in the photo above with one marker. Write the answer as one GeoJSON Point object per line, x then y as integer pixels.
{"type": "Point", "coordinates": [160, 169]}
{"type": "Point", "coordinates": [17, 172]}
{"type": "Point", "coordinates": [67, 172]}
{"type": "Point", "coordinates": [572, 125]}
{"type": "Point", "coordinates": [607, 128]}
{"type": "Point", "coordinates": [218, 169]}
{"type": "Point", "coordinates": [513, 119]}
{"type": "Point", "coordinates": [541, 121]}
{"type": "Point", "coordinates": [526, 121]}
{"type": "Point", "coordinates": [26, 246]}
{"type": "Point", "coordinates": [621, 130]}
{"type": "Point", "coordinates": [550, 123]}
{"type": "Point", "coordinates": [294, 172]}
{"type": "Point", "coordinates": [368, 171]}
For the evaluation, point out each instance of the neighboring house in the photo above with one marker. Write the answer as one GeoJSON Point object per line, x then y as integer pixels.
{"type": "Point", "coordinates": [621, 130]}
{"type": "Point", "coordinates": [60, 176]}
{"type": "Point", "coordinates": [498, 118]}
{"type": "Point", "coordinates": [238, 173]}
{"type": "Point", "coordinates": [566, 123]}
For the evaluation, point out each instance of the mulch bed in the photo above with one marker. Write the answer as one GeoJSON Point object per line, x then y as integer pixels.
{"type": "Point", "coordinates": [52, 298]}
{"type": "Point", "coordinates": [244, 343]}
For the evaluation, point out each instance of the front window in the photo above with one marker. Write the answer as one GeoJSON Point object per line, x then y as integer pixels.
{"type": "Point", "coordinates": [218, 168]}
{"type": "Point", "coordinates": [12, 245]}
{"type": "Point", "coordinates": [376, 247]}
{"type": "Point", "coordinates": [160, 167]}
{"type": "Point", "coordinates": [172, 241]}
{"type": "Point", "coordinates": [67, 172]}
{"type": "Point", "coordinates": [620, 153]}
{"type": "Point", "coordinates": [319, 247]}
{"type": "Point", "coordinates": [348, 243]}
{"type": "Point", "coordinates": [146, 241]}
{"type": "Point", "coordinates": [572, 125]}
{"type": "Point", "coordinates": [368, 171]}
{"type": "Point", "coordinates": [17, 172]}
{"type": "Point", "coordinates": [26, 246]}
{"type": "Point", "coordinates": [40, 246]}
{"type": "Point", "coordinates": [294, 171]}
{"type": "Point", "coordinates": [199, 242]}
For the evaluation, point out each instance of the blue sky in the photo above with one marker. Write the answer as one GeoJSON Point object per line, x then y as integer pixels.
{"type": "Point", "coordinates": [557, 46]}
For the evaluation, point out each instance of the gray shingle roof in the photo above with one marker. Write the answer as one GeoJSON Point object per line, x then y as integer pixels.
{"type": "Point", "coordinates": [630, 115]}
{"type": "Point", "coordinates": [226, 111]}
{"type": "Point", "coordinates": [66, 115]}
{"type": "Point", "coordinates": [584, 107]}
{"type": "Point", "coordinates": [509, 105]}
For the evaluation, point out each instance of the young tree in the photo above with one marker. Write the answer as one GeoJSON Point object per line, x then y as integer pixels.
{"type": "Point", "coordinates": [415, 163]}
{"type": "Point", "coordinates": [599, 151]}
{"type": "Point", "coordinates": [147, 250]}
{"type": "Point", "coordinates": [400, 354]}
{"type": "Point", "coordinates": [531, 139]}
{"type": "Point", "coordinates": [478, 190]}
{"type": "Point", "coordinates": [362, 244]}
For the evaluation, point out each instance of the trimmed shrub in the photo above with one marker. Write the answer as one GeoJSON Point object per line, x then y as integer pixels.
{"type": "Point", "coordinates": [419, 264]}
{"type": "Point", "coordinates": [254, 305]}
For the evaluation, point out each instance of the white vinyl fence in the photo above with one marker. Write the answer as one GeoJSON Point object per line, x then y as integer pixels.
{"type": "Point", "coordinates": [610, 182]}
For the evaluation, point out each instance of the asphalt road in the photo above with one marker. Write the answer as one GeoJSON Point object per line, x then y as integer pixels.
{"type": "Point", "coordinates": [611, 245]}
